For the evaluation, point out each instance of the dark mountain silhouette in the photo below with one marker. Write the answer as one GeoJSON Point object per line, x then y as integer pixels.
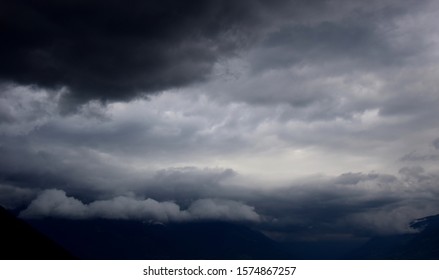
{"type": "Point", "coordinates": [423, 245]}
{"type": "Point", "coordinates": [322, 249]}
{"type": "Point", "coordinates": [119, 239]}
{"type": "Point", "coordinates": [19, 241]}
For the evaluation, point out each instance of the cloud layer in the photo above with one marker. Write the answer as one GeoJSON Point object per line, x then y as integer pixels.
{"type": "Point", "coordinates": [55, 203]}
{"type": "Point", "coordinates": [318, 119]}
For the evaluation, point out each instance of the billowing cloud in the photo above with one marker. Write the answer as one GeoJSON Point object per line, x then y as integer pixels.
{"type": "Point", "coordinates": [55, 203]}
{"type": "Point", "coordinates": [353, 204]}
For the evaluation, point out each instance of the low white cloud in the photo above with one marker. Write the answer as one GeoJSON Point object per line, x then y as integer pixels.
{"type": "Point", "coordinates": [130, 208]}
{"type": "Point", "coordinates": [55, 203]}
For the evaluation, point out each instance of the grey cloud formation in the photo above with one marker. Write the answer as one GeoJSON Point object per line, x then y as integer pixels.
{"type": "Point", "coordinates": [249, 104]}
{"type": "Point", "coordinates": [22, 109]}
{"type": "Point", "coordinates": [76, 156]}
{"type": "Point", "coordinates": [352, 204]}
{"type": "Point", "coordinates": [89, 169]}
{"type": "Point", "coordinates": [419, 156]}
{"type": "Point", "coordinates": [55, 203]}
{"type": "Point", "coordinates": [117, 50]}
{"type": "Point", "coordinates": [368, 57]}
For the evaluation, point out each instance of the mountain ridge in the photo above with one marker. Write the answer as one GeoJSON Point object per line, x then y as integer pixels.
{"type": "Point", "coordinates": [20, 241]}
{"type": "Point", "coordinates": [123, 239]}
{"type": "Point", "coordinates": [423, 245]}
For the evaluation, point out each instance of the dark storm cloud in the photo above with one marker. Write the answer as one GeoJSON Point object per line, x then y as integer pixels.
{"type": "Point", "coordinates": [113, 50]}
{"type": "Point", "coordinates": [119, 50]}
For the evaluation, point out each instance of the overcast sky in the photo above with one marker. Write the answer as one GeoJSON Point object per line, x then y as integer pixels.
{"type": "Point", "coordinates": [314, 119]}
